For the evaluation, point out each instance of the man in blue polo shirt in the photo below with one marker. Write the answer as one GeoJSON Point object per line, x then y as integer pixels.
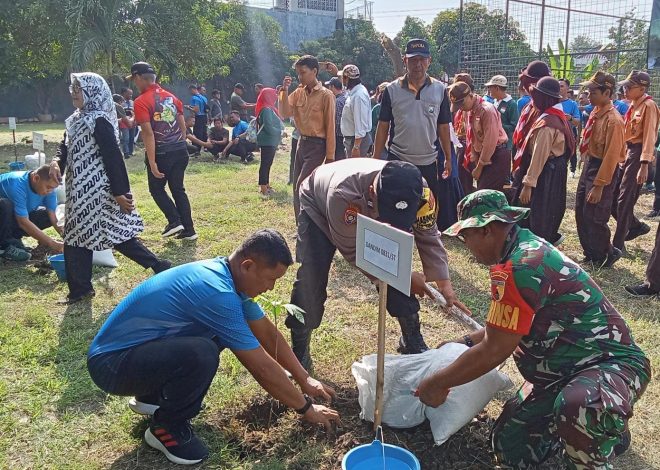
{"type": "Point", "coordinates": [198, 105]}
{"type": "Point", "coordinates": [27, 206]}
{"type": "Point", "coordinates": [161, 344]}
{"type": "Point", "coordinates": [238, 145]}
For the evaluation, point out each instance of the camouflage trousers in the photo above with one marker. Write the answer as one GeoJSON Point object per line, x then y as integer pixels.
{"type": "Point", "coordinates": [587, 418]}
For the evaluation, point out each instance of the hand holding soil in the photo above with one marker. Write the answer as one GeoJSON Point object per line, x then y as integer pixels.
{"type": "Point", "coordinates": [316, 389]}
{"type": "Point", "coordinates": [320, 414]}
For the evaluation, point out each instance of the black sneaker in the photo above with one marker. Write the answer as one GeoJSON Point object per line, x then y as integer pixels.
{"type": "Point", "coordinates": [653, 214]}
{"type": "Point", "coordinates": [638, 232]}
{"type": "Point", "coordinates": [614, 256]}
{"type": "Point", "coordinates": [187, 235]}
{"type": "Point", "coordinates": [162, 265]}
{"type": "Point", "coordinates": [250, 157]}
{"type": "Point", "coordinates": [179, 443]}
{"type": "Point", "coordinates": [171, 229]}
{"type": "Point", "coordinates": [642, 290]}
{"type": "Point", "coordinates": [68, 300]}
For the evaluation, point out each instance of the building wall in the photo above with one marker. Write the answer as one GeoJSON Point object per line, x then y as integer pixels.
{"type": "Point", "coordinates": [298, 26]}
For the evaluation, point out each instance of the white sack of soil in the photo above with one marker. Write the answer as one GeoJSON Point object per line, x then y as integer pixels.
{"type": "Point", "coordinates": [402, 375]}
{"type": "Point", "coordinates": [99, 258]}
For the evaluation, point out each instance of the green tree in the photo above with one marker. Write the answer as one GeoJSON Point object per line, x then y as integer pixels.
{"type": "Point", "coordinates": [630, 35]}
{"type": "Point", "coordinates": [414, 28]}
{"type": "Point", "coordinates": [583, 43]}
{"type": "Point", "coordinates": [34, 48]}
{"type": "Point", "coordinates": [359, 44]}
{"type": "Point", "coordinates": [261, 56]}
{"type": "Point", "coordinates": [485, 36]}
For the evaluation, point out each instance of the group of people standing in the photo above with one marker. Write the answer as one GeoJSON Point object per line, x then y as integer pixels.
{"type": "Point", "coordinates": [161, 344]}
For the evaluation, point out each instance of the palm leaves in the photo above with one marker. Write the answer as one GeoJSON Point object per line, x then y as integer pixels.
{"type": "Point", "coordinates": [563, 64]}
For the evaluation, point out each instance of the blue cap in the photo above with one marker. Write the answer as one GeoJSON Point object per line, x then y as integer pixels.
{"type": "Point", "coordinates": [419, 47]}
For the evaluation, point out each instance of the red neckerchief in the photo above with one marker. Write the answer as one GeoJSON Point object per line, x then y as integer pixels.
{"type": "Point", "coordinates": [540, 122]}
{"type": "Point", "coordinates": [469, 134]}
{"type": "Point", "coordinates": [518, 136]}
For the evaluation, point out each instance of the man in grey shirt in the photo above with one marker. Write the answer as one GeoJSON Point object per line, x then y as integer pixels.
{"type": "Point", "coordinates": [415, 115]}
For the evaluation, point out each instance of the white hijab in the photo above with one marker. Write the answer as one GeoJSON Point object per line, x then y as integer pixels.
{"type": "Point", "coordinates": [97, 102]}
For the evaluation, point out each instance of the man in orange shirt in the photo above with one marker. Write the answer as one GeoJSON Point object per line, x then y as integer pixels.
{"type": "Point", "coordinates": [313, 108]}
{"type": "Point", "coordinates": [603, 147]}
{"type": "Point", "coordinates": [641, 131]}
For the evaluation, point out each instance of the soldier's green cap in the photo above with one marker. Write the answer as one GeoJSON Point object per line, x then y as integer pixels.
{"type": "Point", "coordinates": [483, 207]}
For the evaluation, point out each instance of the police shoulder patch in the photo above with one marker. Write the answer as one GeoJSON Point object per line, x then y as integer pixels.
{"type": "Point", "coordinates": [350, 215]}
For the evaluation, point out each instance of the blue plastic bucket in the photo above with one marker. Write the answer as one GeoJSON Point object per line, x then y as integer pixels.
{"type": "Point", "coordinates": [57, 263]}
{"type": "Point", "coordinates": [370, 457]}
{"type": "Point", "coordinates": [16, 166]}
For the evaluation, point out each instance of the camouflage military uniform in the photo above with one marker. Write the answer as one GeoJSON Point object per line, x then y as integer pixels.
{"type": "Point", "coordinates": [583, 370]}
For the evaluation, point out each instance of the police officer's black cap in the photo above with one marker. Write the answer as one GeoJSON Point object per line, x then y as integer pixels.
{"type": "Point", "coordinates": [536, 70]}
{"type": "Point", "coordinates": [138, 68]}
{"type": "Point", "coordinates": [416, 47]}
{"type": "Point", "coordinates": [399, 190]}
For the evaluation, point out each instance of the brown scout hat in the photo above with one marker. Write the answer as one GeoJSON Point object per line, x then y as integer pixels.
{"type": "Point", "coordinates": [458, 91]}
{"type": "Point", "coordinates": [637, 77]}
{"type": "Point", "coordinates": [465, 78]}
{"type": "Point", "coordinates": [601, 79]}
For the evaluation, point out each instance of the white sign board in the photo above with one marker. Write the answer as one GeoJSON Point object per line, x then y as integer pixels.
{"type": "Point", "coordinates": [384, 252]}
{"type": "Point", "coordinates": [38, 141]}
{"type": "Point", "coordinates": [12, 123]}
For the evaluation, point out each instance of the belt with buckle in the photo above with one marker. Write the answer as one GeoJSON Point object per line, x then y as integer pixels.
{"type": "Point", "coordinates": [317, 140]}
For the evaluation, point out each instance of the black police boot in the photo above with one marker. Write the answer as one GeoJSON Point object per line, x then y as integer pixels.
{"type": "Point", "coordinates": [411, 341]}
{"type": "Point", "coordinates": [300, 340]}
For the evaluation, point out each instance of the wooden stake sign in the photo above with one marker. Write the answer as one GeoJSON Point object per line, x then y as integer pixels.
{"type": "Point", "coordinates": [386, 253]}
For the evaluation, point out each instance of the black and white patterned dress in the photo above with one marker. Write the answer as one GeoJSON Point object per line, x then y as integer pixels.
{"type": "Point", "coordinates": [94, 219]}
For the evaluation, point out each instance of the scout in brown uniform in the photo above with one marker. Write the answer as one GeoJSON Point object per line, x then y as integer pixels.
{"type": "Point", "coordinates": [603, 148]}
{"type": "Point", "coordinates": [460, 127]}
{"type": "Point", "coordinates": [641, 132]}
{"type": "Point", "coordinates": [392, 192]}
{"type": "Point", "coordinates": [540, 181]}
{"type": "Point", "coordinates": [313, 108]}
{"type": "Point", "coordinates": [485, 137]}
{"type": "Point", "coordinates": [528, 114]}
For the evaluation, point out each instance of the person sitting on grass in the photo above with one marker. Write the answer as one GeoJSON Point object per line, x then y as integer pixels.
{"type": "Point", "coordinates": [239, 145]}
{"type": "Point", "coordinates": [582, 368]}
{"type": "Point", "coordinates": [162, 344]}
{"type": "Point", "coordinates": [27, 206]}
{"type": "Point", "coordinates": [217, 140]}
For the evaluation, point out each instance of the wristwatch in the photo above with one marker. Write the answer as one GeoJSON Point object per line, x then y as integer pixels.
{"type": "Point", "coordinates": [307, 406]}
{"type": "Point", "coordinates": [468, 341]}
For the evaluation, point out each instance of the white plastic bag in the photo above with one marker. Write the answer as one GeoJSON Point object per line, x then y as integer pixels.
{"type": "Point", "coordinates": [100, 258]}
{"type": "Point", "coordinates": [402, 375]}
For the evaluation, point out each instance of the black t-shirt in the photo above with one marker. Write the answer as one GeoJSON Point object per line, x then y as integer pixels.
{"type": "Point", "coordinates": [218, 134]}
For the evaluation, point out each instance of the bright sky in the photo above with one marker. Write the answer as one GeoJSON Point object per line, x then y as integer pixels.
{"type": "Point", "coordinates": [389, 15]}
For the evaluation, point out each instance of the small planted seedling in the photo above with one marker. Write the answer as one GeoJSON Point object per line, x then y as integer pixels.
{"type": "Point", "coordinates": [275, 309]}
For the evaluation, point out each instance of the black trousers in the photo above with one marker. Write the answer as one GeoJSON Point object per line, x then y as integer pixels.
{"type": "Point", "coordinates": [314, 252]}
{"type": "Point", "coordinates": [292, 158]}
{"type": "Point", "coordinates": [656, 179]}
{"type": "Point", "coordinates": [216, 149]}
{"type": "Point", "coordinates": [9, 227]}
{"type": "Point", "coordinates": [201, 128]}
{"type": "Point", "coordinates": [496, 175]}
{"type": "Point", "coordinates": [267, 157]}
{"type": "Point", "coordinates": [591, 219]}
{"type": "Point", "coordinates": [174, 373]}
{"type": "Point", "coordinates": [78, 264]}
{"type": "Point", "coordinates": [340, 150]}
{"type": "Point", "coordinates": [173, 165]}
{"type": "Point", "coordinates": [242, 148]}
{"type": "Point", "coordinates": [626, 193]}
{"type": "Point", "coordinates": [429, 172]}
